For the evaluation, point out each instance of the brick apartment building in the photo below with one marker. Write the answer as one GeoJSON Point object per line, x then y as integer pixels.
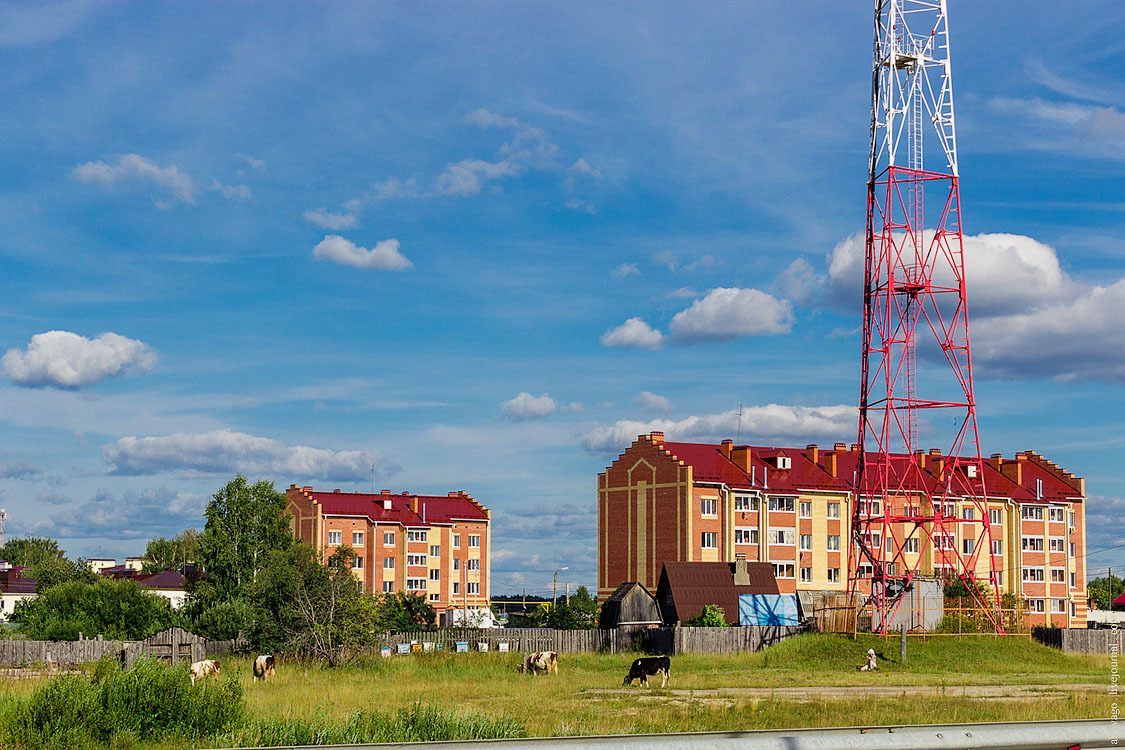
{"type": "Point", "coordinates": [661, 502]}
{"type": "Point", "coordinates": [436, 546]}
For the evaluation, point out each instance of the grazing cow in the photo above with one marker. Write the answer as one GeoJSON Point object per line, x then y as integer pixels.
{"type": "Point", "coordinates": [204, 669]}
{"type": "Point", "coordinates": [650, 665]}
{"type": "Point", "coordinates": [263, 667]}
{"type": "Point", "coordinates": [546, 662]}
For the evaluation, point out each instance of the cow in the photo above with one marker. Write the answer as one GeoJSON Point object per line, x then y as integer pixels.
{"type": "Point", "coordinates": [203, 669]}
{"type": "Point", "coordinates": [650, 665]}
{"type": "Point", "coordinates": [546, 662]}
{"type": "Point", "coordinates": [263, 667]}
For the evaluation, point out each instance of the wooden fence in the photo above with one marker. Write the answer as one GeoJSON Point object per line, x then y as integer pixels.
{"type": "Point", "coordinates": [173, 645]}
{"type": "Point", "coordinates": [1081, 640]}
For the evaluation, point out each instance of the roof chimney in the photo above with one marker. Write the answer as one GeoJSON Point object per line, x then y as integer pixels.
{"type": "Point", "coordinates": [385, 492]}
{"type": "Point", "coordinates": [920, 458]}
{"type": "Point", "coordinates": [414, 504]}
{"type": "Point", "coordinates": [996, 459]}
{"type": "Point", "coordinates": [938, 462]}
{"type": "Point", "coordinates": [812, 452]}
{"type": "Point", "coordinates": [1013, 470]}
{"type": "Point", "coordinates": [336, 491]}
{"type": "Point", "coordinates": [855, 448]}
{"type": "Point", "coordinates": [830, 463]}
{"type": "Point", "coordinates": [657, 437]}
{"type": "Point", "coordinates": [726, 446]}
{"type": "Point", "coordinates": [840, 447]}
{"type": "Point", "coordinates": [741, 456]}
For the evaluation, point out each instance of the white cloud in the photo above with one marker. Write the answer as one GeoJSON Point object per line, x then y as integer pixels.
{"type": "Point", "coordinates": [634, 333]}
{"type": "Point", "coordinates": [727, 313]}
{"type": "Point", "coordinates": [666, 258]}
{"type": "Point", "coordinates": [526, 406]}
{"type": "Point", "coordinates": [550, 521]}
{"type": "Point", "coordinates": [231, 192]}
{"type": "Point", "coordinates": [482, 118]}
{"type": "Point", "coordinates": [67, 360]}
{"type": "Point", "coordinates": [391, 187]}
{"type": "Point", "coordinates": [773, 423]}
{"type": "Point", "coordinates": [799, 281]}
{"type": "Point", "coordinates": [384, 256]}
{"type": "Point", "coordinates": [1068, 127]}
{"type": "Point", "coordinates": [574, 407]}
{"type": "Point", "coordinates": [468, 176]}
{"type": "Point", "coordinates": [227, 452]}
{"type": "Point", "coordinates": [529, 148]}
{"type": "Point", "coordinates": [152, 512]}
{"type": "Point", "coordinates": [18, 468]}
{"type": "Point", "coordinates": [704, 262]}
{"type": "Point", "coordinates": [254, 163]}
{"type": "Point", "coordinates": [328, 220]}
{"type": "Point", "coordinates": [625, 269]}
{"type": "Point", "coordinates": [653, 402]}
{"type": "Point", "coordinates": [136, 167]}
{"type": "Point", "coordinates": [583, 167]}
{"type": "Point", "coordinates": [577, 204]}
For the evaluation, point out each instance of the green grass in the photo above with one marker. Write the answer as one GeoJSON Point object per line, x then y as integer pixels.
{"type": "Point", "coordinates": [460, 696]}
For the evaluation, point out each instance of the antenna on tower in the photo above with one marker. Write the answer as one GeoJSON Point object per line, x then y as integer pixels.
{"type": "Point", "coordinates": [3, 515]}
{"type": "Point", "coordinates": [738, 438]}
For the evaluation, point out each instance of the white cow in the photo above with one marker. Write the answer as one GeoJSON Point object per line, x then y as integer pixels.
{"type": "Point", "coordinates": [263, 667]}
{"type": "Point", "coordinates": [204, 669]}
{"type": "Point", "coordinates": [546, 662]}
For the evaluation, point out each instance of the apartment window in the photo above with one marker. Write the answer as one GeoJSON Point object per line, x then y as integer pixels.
{"type": "Point", "coordinates": [1058, 606]}
{"type": "Point", "coordinates": [745, 536]}
{"type": "Point", "coordinates": [710, 540]}
{"type": "Point", "coordinates": [833, 575]}
{"type": "Point", "coordinates": [833, 542]}
{"type": "Point", "coordinates": [995, 517]}
{"type": "Point", "coordinates": [388, 587]}
{"type": "Point", "coordinates": [806, 575]}
{"type": "Point", "coordinates": [910, 545]}
{"type": "Point", "coordinates": [415, 584]}
{"type": "Point", "coordinates": [967, 546]}
{"type": "Point", "coordinates": [335, 538]}
{"type": "Point", "coordinates": [708, 506]}
{"type": "Point", "coordinates": [1073, 577]}
{"type": "Point", "coordinates": [1073, 609]}
{"type": "Point", "coordinates": [833, 510]}
{"type": "Point", "coordinates": [474, 588]}
{"type": "Point", "coordinates": [1070, 519]}
{"type": "Point", "coordinates": [435, 597]}
{"type": "Point", "coordinates": [1055, 514]}
{"type": "Point", "coordinates": [782, 536]}
{"type": "Point", "coordinates": [435, 550]}
{"type": "Point", "coordinates": [745, 503]}
{"type": "Point", "coordinates": [416, 536]}
{"type": "Point", "coordinates": [783, 570]}
{"type": "Point", "coordinates": [456, 564]}
{"type": "Point", "coordinates": [435, 575]}
{"type": "Point", "coordinates": [389, 538]}
{"type": "Point", "coordinates": [865, 570]}
{"type": "Point", "coordinates": [968, 514]}
{"type": "Point", "coordinates": [472, 564]}
{"type": "Point", "coordinates": [806, 509]}
{"type": "Point", "coordinates": [416, 560]}
{"type": "Point", "coordinates": [872, 508]}
{"type": "Point", "coordinates": [873, 538]}
{"type": "Point", "coordinates": [456, 541]}
{"type": "Point", "coordinates": [1072, 552]}
{"type": "Point", "coordinates": [806, 542]}
{"type": "Point", "coordinates": [474, 540]}
{"type": "Point", "coordinates": [357, 538]}
{"type": "Point", "coordinates": [784, 504]}
{"type": "Point", "coordinates": [456, 587]}
{"type": "Point", "coordinates": [943, 541]}
{"type": "Point", "coordinates": [1031, 543]}
{"type": "Point", "coordinates": [1057, 544]}
{"type": "Point", "coordinates": [997, 547]}
{"type": "Point", "coordinates": [1031, 513]}
{"type": "Point", "coordinates": [357, 563]}
{"type": "Point", "coordinates": [1035, 605]}
{"type": "Point", "coordinates": [1058, 575]}
{"type": "Point", "coordinates": [1033, 575]}
{"type": "Point", "coordinates": [388, 563]}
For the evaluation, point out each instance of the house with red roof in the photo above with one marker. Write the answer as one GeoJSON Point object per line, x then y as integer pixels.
{"type": "Point", "coordinates": [437, 546]}
{"type": "Point", "coordinates": [14, 587]}
{"type": "Point", "coordinates": [662, 502]}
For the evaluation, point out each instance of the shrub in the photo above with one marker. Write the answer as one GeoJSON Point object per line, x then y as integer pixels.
{"type": "Point", "coordinates": [711, 616]}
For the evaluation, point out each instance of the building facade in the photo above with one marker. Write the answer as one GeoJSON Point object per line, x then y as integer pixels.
{"type": "Point", "coordinates": [670, 502]}
{"type": "Point", "coordinates": [436, 546]}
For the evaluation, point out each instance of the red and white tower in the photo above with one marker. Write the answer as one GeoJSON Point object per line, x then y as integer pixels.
{"type": "Point", "coordinates": [916, 512]}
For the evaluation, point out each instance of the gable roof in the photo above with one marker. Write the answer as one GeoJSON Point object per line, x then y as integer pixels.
{"type": "Point", "coordinates": [691, 585]}
{"type": "Point", "coordinates": [405, 509]}
{"type": "Point", "coordinates": [13, 582]}
{"type": "Point", "coordinates": [168, 580]}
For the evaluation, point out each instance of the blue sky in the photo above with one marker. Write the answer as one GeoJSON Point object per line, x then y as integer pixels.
{"type": "Point", "coordinates": [482, 246]}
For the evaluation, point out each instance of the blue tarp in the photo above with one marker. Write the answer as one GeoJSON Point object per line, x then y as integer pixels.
{"type": "Point", "coordinates": [768, 609]}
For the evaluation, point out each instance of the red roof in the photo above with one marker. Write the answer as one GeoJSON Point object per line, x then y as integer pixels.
{"type": "Point", "coordinates": [1039, 479]}
{"type": "Point", "coordinates": [169, 580]}
{"type": "Point", "coordinates": [13, 582]}
{"type": "Point", "coordinates": [405, 509]}
{"type": "Point", "coordinates": [1118, 600]}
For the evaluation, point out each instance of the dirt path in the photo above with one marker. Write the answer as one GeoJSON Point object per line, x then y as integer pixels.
{"type": "Point", "coordinates": [732, 696]}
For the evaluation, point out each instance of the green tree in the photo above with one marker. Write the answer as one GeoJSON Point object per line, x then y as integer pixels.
{"type": "Point", "coordinates": [332, 612]}
{"type": "Point", "coordinates": [711, 616]}
{"type": "Point", "coordinates": [118, 610]}
{"type": "Point", "coordinates": [161, 553]}
{"type": "Point", "coordinates": [245, 523]}
{"type": "Point", "coordinates": [1102, 591]}
{"type": "Point", "coordinates": [580, 613]}
{"type": "Point", "coordinates": [47, 562]}
{"type": "Point", "coordinates": [405, 611]}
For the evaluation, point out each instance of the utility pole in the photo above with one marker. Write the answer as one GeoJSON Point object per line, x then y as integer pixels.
{"type": "Point", "coordinates": [555, 587]}
{"type": "Point", "coordinates": [568, 593]}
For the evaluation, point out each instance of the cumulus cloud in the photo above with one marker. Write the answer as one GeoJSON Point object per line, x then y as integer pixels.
{"type": "Point", "coordinates": [392, 187]}
{"type": "Point", "coordinates": [328, 220]}
{"type": "Point", "coordinates": [529, 148]}
{"type": "Point", "coordinates": [574, 407]}
{"type": "Point", "coordinates": [137, 167]}
{"type": "Point", "coordinates": [551, 521]}
{"type": "Point", "coordinates": [773, 423]}
{"type": "Point", "coordinates": [525, 406]}
{"type": "Point", "coordinates": [66, 360]}
{"type": "Point", "coordinates": [468, 176]}
{"type": "Point", "coordinates": [625, 269]}
{"type": "Point", "coordinates": [18, 468]}
{"type": "Point", "coordinates": [666, 258]}
{"type": "Point", "coordinates": [727, 313]}
{"type": "Point", "coordinates": [232, 192]}
{"type": "Point", "coordinates": [583, 167]}
{"type": "Point", "coordinates": [152, 512]}
{"type": "Point", "coordinates": [634, 333]}
{"type": "Point", "coordinates": [653, 402]}
{"type": "Point", "coordinates": [227, 452]}
{"type": "Point", "coordinates": [384, 256]}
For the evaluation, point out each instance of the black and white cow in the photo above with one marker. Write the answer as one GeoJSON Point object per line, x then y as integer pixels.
{"type": "Point", "coordinates": [650, 665]}
{"type": "Point", "coordinates": [263, 667]}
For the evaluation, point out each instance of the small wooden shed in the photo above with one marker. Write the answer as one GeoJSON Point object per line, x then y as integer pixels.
{"type": "Point", "coordinates": [632, 606]}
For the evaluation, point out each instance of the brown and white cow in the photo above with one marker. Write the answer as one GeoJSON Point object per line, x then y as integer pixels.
{"type": "Point", "coordinates": [204, 669]}
{"type": "Point", "coordinates": [263, 667]}
{"type": "Point", "coordinates": [546, 662]}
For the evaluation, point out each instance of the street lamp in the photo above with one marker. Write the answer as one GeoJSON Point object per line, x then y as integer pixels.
{"type": "Point", "coordinates": [555, 590]}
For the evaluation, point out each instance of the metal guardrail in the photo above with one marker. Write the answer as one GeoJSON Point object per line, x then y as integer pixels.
{"type": "Point", "coordinates": [1023, 735]}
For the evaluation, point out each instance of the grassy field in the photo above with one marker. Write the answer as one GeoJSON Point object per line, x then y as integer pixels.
{"type": "Point", "coordinates": [309, 703]}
